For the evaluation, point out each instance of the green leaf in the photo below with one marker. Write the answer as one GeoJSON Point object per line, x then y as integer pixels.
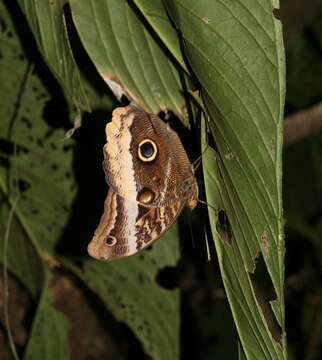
{"type": "Point", "coordinates": [235, 51]}
{"type": "Point", "coordinates": [48, 339]}
{"type": "Point", "coordinates": [246, 311]}
{"type": "Point", "coordinates": [22, 257]}
{"type": "Point", "coordinates": [241, 354]}
{"type": "Point", "coordinates": [40, 157]}
{"type": "Point", "coordinates": [35, 155]}
{"type": "Point", "coordinates": [49, 334]}
{"type": "Point", "coordinates": [129, 291]}
{"type": "Point", "coordinates": [47, 22]}
{"type": "Point", "coordinates": [156, 15]}
{"type": "Point", "coordinates": [127, 56]}
{"type": "Point", "coordinates": [25, 195]}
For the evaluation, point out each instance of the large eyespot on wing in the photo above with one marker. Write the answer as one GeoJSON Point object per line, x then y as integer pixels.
{"type": "Point", "coordinates": [147, 150]}
{"type": "Point", "coordinates": [146, 196]}
{"type": "Point", "coordinates": [162, 164]}
{"type": "Point", "coordinates": [125, 154]}
{"type": "Point", "coordinates": [142, 152]}
{"type": "Point", "coordinates": [110, 240]}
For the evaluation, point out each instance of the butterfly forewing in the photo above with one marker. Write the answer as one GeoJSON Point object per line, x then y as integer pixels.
{"type": "Point", "coordinates": [150, 180]}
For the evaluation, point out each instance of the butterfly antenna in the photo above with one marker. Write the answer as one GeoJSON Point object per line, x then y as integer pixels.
{"type": "Point", "coordinates": [205, 203]}
{"type": "Point", "coordinates": [197, 162]}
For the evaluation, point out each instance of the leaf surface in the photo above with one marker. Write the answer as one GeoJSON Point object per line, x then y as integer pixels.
{"type": "Point", "coordinates": [47, 22]}
{"type": "Point", "coordinates": [36, 153]}
{"type": "Point", "coordinates": [49, 333]}
{"type": "Point", "coordinates": [127, 57]}
{"type": "Point", "coordinates": [235, 51]}
{"type": "Point", "coordinates": [156, 15]}
{"type": "Point", "coordinates": [129, 291]}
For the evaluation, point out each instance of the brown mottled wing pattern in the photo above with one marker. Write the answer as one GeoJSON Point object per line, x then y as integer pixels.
{"type": "Point", "coordinates": [170, 176]}
{"type": "Point", "coordinates": [128, 223]}
{"type": "Point", "coordinates": [133, 225]}
{"type": "Point", "coordinates": [155, 223]}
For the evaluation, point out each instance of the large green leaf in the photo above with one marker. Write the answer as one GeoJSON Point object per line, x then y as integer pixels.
{"type": "Point", "coordinates": [17, 252]}
{"type": "Point", "coordinates": [47, 22]}
{"type": "Point", "coordinates": [22, 255]}
{"type": "Point", "coordinates": [129, 290]}
{"type": "Point", "coordinates": [235, 51]}
{"type": "Point", "coordinates": [43, 158]}
{"type": "Point", "coordinates": [251, 324]}
{"type": "Point", "coordinates": [25, 197]}
{"type": "Point", "coordinates": [48, 338]}
{"type": "Point", "coordinates": [49, 333]}
{"type": "Point", "coordinates": [126, 55]}
{"type": "Point", "coordinates": [156, 15]}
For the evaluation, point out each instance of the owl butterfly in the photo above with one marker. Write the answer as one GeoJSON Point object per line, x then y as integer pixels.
{"type": "Point", "coordinates": [150, 181]}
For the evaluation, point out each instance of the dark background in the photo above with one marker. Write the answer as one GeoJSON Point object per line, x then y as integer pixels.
{"type": "Point", "coordinates": [207, 328]}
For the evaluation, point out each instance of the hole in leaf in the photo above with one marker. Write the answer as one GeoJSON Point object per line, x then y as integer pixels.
{"type": "Point", "coordinates": [124, 100]}
{"type": "Point", "coordinates": [26, 121]}
{"type": "Point", "coordinates": [277, 14]}
{"type": "Point", "coordinates": [56, 115]}
{"type": "Point", "coordinates": [7, 147]}
{"type": "Point", "coordinates": [167, 277]}
{"type": "Point", "coordinates": [23, 185]}
{"type": "Point", "coordinates": [67, 148]}
{"type": "Point", "coordinates": [53, 146]}
{"type": "Point", "coordinates": [265, 292]}
{"type": "Point", "coordinates": [3, 25]}
{"type": "Point", "coordinates": [40, 143]}
{"type": "Point", "coordinates": [4, 162]}
{"type": "Point", "coordinates": [223, 227]}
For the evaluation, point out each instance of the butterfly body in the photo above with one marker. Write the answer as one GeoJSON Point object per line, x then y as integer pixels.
{"type": "Point", "coordinates": [150, 181]}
